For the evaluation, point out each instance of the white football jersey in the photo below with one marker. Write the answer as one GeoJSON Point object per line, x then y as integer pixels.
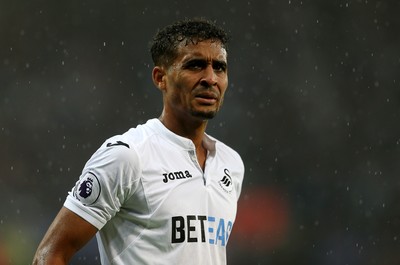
{"type": "Point", "coordinates": [151, 201]}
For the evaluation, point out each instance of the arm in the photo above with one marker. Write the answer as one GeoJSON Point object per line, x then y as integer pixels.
{"type": "Point", "coordinates": [65, 236]}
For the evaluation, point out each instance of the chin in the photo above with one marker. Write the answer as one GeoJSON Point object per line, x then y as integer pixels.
{"type": "Point", "coordinates": [205, 115]}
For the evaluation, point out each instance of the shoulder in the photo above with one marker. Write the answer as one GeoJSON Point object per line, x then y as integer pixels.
{"type": "Point", "coordinates": [227, 151]}
{"type": "Point", "coordinates": [228, 156]}
{"type": "Point", "coordinates": [117, 147]}
{"type": "Point", "coordinates": [127, 149]}
{"type": "Point", "coordinates": [124, 147]}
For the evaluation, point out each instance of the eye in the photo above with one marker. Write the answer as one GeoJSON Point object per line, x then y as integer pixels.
{"type": "Point", "coordinates": [219, 66]}
{"type": "Point", "coordinates": [195, 65]}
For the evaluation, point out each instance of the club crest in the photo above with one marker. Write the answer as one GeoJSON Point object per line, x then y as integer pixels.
{"type": "Point", "coordinates": [226, 181]}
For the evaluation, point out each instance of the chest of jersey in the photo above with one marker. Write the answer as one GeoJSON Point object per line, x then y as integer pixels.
{"type": "Point", "coordinates": [194, 205]}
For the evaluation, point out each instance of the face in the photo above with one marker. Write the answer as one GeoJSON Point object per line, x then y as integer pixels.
{"type": "Point", "coordinates": [195, 84]}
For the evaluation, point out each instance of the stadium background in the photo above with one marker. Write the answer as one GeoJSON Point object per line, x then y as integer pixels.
{"type": "Point", "coordinates": [312, 106]}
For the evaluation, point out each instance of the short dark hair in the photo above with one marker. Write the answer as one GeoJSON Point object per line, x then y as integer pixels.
{"type": "Point", "coordinates": [163, 48]}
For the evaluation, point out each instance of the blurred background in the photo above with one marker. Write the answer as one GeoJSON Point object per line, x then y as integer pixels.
{"type": "Point", "coordinates": [313, 107]}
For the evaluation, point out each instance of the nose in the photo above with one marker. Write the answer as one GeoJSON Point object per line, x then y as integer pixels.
{"type": "Point", "coordinates": [209, 77]}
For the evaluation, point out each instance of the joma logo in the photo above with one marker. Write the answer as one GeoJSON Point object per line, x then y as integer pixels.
{"type": "Point", "coordinates": [176, 175]}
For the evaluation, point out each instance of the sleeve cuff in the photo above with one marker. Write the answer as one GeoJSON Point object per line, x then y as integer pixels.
{"type": "Point", "coordinates": [83, 212]}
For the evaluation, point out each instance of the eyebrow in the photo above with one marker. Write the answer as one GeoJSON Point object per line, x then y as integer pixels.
{"type": "Point", "coordinates": [203, 60]}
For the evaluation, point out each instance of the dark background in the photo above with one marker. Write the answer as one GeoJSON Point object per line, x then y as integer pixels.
{"type": "Point", "coordinates": [312, 107]}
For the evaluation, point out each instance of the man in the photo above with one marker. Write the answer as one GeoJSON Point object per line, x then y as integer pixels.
{"type": "Point", "coordinates": [164, 192]}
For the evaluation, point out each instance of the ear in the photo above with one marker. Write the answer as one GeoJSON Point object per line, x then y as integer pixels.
{"type": "Point", "coordinates": [158, 75]}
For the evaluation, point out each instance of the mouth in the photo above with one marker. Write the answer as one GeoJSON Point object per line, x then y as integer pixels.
{"type": "Point", "coordinates": [206, 98]}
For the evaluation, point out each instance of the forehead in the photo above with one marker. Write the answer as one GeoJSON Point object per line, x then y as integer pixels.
{"type": "Point", "coordinates": [208, 49]}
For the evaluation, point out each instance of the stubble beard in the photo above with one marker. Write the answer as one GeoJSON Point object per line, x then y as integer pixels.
{"type": "Point", "coordinates": [208, 115]}
{"type": "Point", "coordinates": [205, 115]}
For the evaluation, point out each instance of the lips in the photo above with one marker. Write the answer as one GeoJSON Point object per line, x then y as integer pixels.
{"type": "Point", "coordinates": [206, 98]}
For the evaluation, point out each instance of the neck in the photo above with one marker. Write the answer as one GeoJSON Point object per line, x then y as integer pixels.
{"type": "Point", "coordinates": [192, 129]}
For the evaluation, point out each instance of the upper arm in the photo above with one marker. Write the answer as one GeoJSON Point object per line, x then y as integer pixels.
{"type": "Point", "coordinates": [65, 236]}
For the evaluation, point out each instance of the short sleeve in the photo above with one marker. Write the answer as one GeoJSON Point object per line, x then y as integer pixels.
{"type": "Point", "coordinates": [108, 179]}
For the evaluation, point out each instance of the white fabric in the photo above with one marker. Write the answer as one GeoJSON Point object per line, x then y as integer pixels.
{"type": "Point", "coordinates": [152, 203]}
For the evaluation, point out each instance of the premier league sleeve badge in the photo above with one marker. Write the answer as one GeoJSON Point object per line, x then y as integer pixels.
{"type": "Point", "coordinates": [87, 190]}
